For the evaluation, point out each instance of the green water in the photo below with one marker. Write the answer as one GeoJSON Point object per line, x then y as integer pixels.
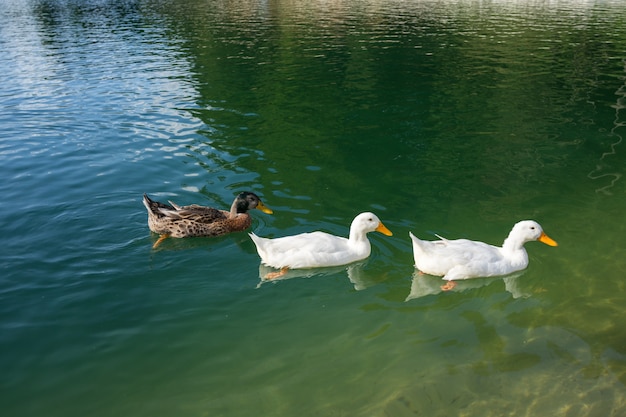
{"type": "Point", "coordinates": [457, 118]}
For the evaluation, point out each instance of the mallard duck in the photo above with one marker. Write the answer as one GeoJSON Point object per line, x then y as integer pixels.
{"type": "Point", "coordinates": [462, 258]}
{"type": "Point", "coordinates": [319, 249]}
{"type": "Point", "coordinates": [194, 220]}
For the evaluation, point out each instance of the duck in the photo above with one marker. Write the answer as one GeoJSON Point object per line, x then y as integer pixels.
{"type": "Point", "coordinates": [462, 258]}
{"type": "Point", "coordinates": [172, 220]}
{"type": "Point", "coordinates": [319, 249]}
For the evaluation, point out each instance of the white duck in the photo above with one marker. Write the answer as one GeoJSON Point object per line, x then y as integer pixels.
{"type": "Point", "coordinates": [319, 249]}
{"type": "Point", "coordinates": [462, 258]}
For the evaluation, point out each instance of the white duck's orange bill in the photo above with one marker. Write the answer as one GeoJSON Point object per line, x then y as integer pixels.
{"type": "Point", "coordinates": [382, 229]}
{"type": "Point", "coordinates": [547, 240]}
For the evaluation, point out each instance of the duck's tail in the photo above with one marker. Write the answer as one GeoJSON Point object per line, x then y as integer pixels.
{"type": "Point", "coordinates": [256, 239]}
{"type": "Point", "coordinates": [419, 248]}
{"type": "Point", "coordinates": [414, 239]}
{"type": "Point", "coordinates": [154, 207]}
{"type": "Point", "coordinates": [258, 243]}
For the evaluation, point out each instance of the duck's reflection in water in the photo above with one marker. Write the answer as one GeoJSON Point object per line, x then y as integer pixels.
{"type": "Point", "coordinates": [423, 285]}
{"type": "Point", "coordinates": [356, 274]}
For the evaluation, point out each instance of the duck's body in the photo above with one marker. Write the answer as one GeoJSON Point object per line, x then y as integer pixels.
{"type": "Point", "coordinates": [463, 258]}
{"type": "Point", "coordinates": [194, 220]}
{"type": "Point", "coordinates": [320, 249]}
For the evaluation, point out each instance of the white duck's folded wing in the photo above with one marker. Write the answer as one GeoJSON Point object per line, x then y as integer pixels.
{"type": "Point", "coordinates": [467, 259]}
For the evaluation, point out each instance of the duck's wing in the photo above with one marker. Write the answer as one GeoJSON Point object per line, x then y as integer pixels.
{"type": "Point", "coordinates": [469, 259]}
{"type": "Point", "coordinates": [464, 250]}
{"type": "Point", "coordinates": [315, 242]}
{"type": "Point", "coordinates": [194, 212]}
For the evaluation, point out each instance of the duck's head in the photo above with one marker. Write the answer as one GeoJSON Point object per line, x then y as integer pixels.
{"type": "Point", "coordinates": [247, 201]}
{"type": "Point", "coordinates": [528, 230]}
{"type": "Point", "coordinates": [369, 222]}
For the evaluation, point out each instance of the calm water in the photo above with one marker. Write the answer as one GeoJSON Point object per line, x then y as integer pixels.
{"type": "Point", "coordinates": [458, 118]}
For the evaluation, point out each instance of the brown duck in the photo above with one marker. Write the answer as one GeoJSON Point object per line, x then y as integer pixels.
{"type": "Point", "coordinates": [194, 220]}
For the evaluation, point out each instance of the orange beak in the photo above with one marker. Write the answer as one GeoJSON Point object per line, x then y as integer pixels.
{"type": "Point", "coordinates": [382, 229]}
{"type": "Point", "coordinates": [264, 208]}
{"type": "Point", "coordinates": [547, 240]}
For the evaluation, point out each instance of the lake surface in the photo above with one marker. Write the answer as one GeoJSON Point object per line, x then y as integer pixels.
{"type": "Point", "coordinates": [456, 118]}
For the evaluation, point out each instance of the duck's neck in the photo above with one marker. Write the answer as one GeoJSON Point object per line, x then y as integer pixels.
{"type": "Point", "coordinates": [233, 210]}
{"type": "Point", "coordinates": [513, 249]}
{"type": "Point", "coordinates": [357, 236]}
{"type": "Point", "coordinates": [359, 245]}
{"type": "Point", "coordinates": [512, 243]}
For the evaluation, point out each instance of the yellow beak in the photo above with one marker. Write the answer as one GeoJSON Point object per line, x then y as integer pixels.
{"type": "Point", "coordinates": [547, 240]}
{"type": "Point", "coordinates": [382, 229]}
{"type": "Point", "coordinates": [264, 208]}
